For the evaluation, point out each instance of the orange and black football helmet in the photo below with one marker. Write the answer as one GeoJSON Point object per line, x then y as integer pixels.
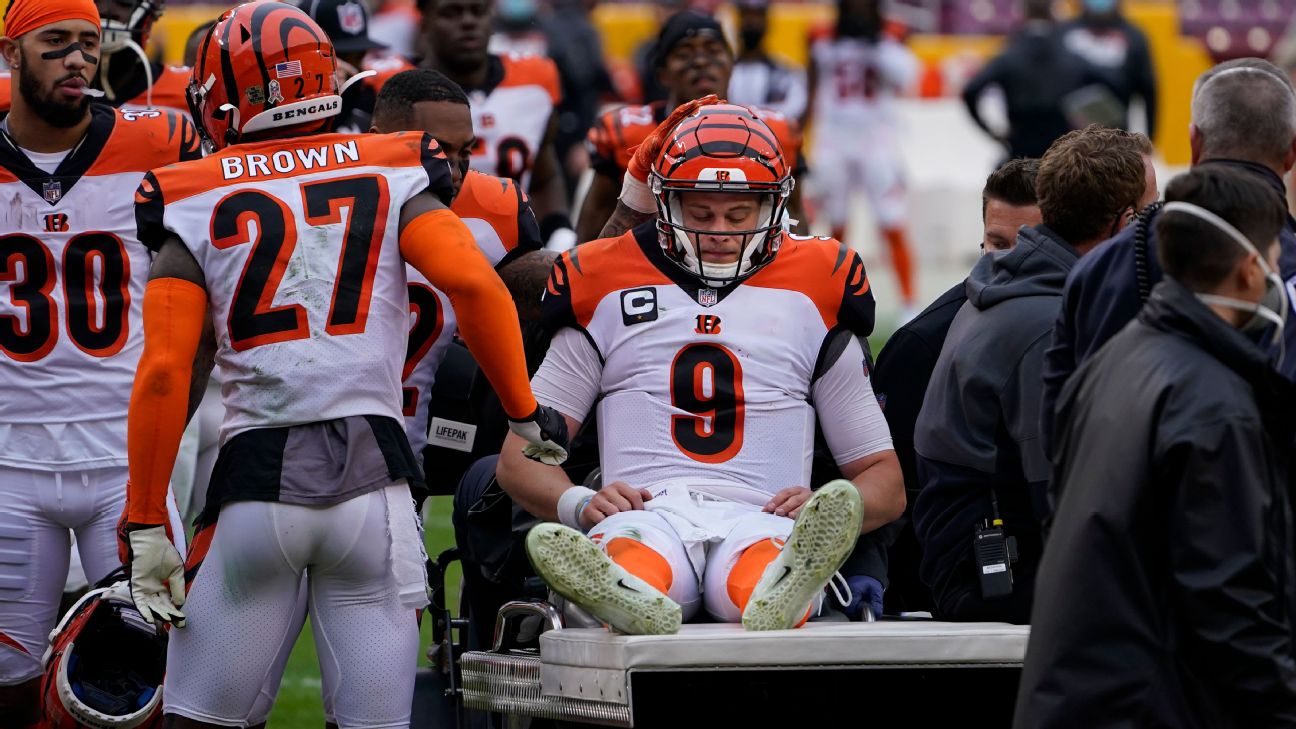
{"type": "Point", "coordinates": [721, 148]}
{"type": "Point", "coordinates": [104, 665]}
{"type": "Point", "coordinates": [263, 66]}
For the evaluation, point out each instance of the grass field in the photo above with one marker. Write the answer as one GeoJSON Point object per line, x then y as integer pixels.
{"type": "Point", "coordinates": [299, 703]}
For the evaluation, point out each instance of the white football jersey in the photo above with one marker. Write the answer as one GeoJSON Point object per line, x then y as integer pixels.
{"type": "Point", "coordinates": [858, 80]}
{"type": "Point", "coordinates": [298, 241]}
{"type": "Point", "coordinates": [703, 383]}
{"type": "Point", "coordinates": [496, 212]}
{"type": "Point", "coordinates": [511, 115]}
{"type": "Point", "coordinates": [72, 275]}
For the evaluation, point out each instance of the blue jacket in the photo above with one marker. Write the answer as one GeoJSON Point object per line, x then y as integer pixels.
{"type": "Point", "coordinates": [1102, 296]}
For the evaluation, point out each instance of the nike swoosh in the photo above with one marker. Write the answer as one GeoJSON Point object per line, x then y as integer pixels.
{"type": "Point", "coordinates": [622, 584]}
{"type": "Point", "coordinates": [786, 571]}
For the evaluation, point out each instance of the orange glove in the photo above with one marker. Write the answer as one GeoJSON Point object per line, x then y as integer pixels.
{"type": "Point", "coordinates": [648, 150]}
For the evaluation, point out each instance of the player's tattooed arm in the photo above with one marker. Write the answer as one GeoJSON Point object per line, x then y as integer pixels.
{"type": "Point", "coordinates": [623, 218]}
{"type": "Point", "coordinates": [525, 278]}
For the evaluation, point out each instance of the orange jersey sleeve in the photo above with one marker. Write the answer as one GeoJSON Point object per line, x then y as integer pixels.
{"type": "Point", "coordinates": [584, 275]}
{"type": "Point", "coordinates": [442, 248]}
{"type": "Point", "coordinates": [173, 322]}
{"type": "Point", "coordinates": [170, 85]}
{"type": "Point", "coordinates": [830, 273]}
{"type": "Point", "coordinates": [501, 204]}
{"type": "Point", "coordinates": [520, 70]}
{"type": "Point", "coordinates": [615, 135]}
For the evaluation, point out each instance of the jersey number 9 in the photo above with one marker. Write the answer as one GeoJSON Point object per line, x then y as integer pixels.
{"type": "Point", "coordinates": [706, 381]}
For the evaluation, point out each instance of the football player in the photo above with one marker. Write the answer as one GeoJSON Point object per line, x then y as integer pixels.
{"type": "Point", "coordinates": [712, 341]}
{"type": "Point", "coordinates": [493, 208]}
{"type": "Point", "coordinates": [855, 73]}
{"type": "Point", "coordinates": [293, 242]}
{"type": "Point", "coordinates": [72, 276]}
{"type": "Point", "coordinates": [513, 99]}
{"type": "Point", "coordinates": [693, 61]}
{"type": "Point", "coordinates": [128, 79]}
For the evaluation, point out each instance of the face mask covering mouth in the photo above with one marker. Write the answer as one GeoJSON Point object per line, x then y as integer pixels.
{"type": "Point", "coordinates": [1272, 308]}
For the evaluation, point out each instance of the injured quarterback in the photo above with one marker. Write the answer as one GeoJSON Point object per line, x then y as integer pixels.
{"type": "Point", "coordinates": [711, 341]}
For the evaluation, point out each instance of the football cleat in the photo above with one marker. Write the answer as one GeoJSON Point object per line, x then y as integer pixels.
{"type": "Point", "coordinates": [822, 538]}
{"type": "Point", "coordinates": [577, 569]}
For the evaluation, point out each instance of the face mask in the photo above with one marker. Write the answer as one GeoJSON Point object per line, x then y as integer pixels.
{"type": "Point", "coordinates": [1272, 309]}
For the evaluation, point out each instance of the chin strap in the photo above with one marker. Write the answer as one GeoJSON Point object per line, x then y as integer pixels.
{"type": "Point", "coordinates": [148, 74]}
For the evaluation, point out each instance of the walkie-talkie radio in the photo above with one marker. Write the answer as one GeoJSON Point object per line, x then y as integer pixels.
{"type": "Point", "coordinates": [994, 553]}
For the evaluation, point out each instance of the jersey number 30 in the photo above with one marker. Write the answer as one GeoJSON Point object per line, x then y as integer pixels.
{"type": "Point", "coordinates": [254, 320]}
{"type": "Point", "coordinates": [95, 307]}
{"type": "Point", "coordinates": [706, 381]}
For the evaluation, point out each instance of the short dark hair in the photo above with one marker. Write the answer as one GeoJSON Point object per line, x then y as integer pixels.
{"type": "Point", "coordinates": [1196, 253]}
{"type": "Point", "coordinates": [1013, 183]}
{"type": "Point", "coordinates": [395, 104]}
{"type": "Point", "coordinates": [1086, 178]}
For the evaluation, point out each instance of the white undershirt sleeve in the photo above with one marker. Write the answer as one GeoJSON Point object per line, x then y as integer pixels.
{"type": "Point", "coordinates": [570, 376]}
{"type": "Point", "coordinates": [848, 411]}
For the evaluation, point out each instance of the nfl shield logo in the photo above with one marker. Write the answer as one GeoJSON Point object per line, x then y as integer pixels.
{"type": "Point", "coordinates": [351, 18]}
{"type": "Point", "coordinates": [708, 297]}
{"type": "Point", "coordinates": [275, 92]}
{"type": "Point", "coordinates": [53, 191]}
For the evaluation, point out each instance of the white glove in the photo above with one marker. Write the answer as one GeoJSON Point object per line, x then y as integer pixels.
{"type": "Point", "coordinates": [546, 433]}
{"type": "Point", "coordinates": [157, 582]}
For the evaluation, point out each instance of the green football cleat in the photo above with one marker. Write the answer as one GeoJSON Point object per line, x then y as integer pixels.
{"type": "Point", "coordinates": [577, 569]}
{"type": "Point", "coordinates": [822, 538]}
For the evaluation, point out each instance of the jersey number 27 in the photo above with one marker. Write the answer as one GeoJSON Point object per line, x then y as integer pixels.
{"type": "Point", "coordinates": [254, 320]}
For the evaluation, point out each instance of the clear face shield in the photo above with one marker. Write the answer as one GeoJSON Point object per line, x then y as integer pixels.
{"type": "Point", "coordinates": [757, 244]}
{"type": "Point", "coordinates": [1270, 310]}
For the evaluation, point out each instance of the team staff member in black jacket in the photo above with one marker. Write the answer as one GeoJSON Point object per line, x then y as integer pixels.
{"type": "Point", "coordinates": [1103, 37]}
{"type": "Point", "coordinates": [977, 435]}
{"type": "Point", "coordinates": [1244, 118]}
{"type": "Point", "coordinates": [1036, 74]}
{"type": "Point", "coordinates": [1165, 592]}
{"type": "Point", "coordinates": [906, 362]}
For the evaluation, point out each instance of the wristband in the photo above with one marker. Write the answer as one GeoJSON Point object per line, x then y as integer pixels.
{"type": "Point", "coordinates": [572, 503]}
{"type": "Point", "coordinates": [637, 196]}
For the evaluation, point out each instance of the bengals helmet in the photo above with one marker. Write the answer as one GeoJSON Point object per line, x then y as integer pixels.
{"type": "Point", "coordinates": [104, 665]}
{"type": "Point", "coordinates": [140, 17]}
{"type": "Point", "coordinates": [721, 148]}
{"type": "Point", "coordinates": [263, 66]}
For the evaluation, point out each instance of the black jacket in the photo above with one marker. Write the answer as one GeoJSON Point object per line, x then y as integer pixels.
{"type": "Point", "coordinates": [1102, 295]}
{"type": "Point", "coordinates": [1165, 595]}
{"type": "Point", "coordinates": [1036, 73]}
{"type": "Point", "coordinates": [904, 368]}
{"type": "Point", "coordinates": [979, 425]}
{"type": "Point", "coordinates": [1120, 51]}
